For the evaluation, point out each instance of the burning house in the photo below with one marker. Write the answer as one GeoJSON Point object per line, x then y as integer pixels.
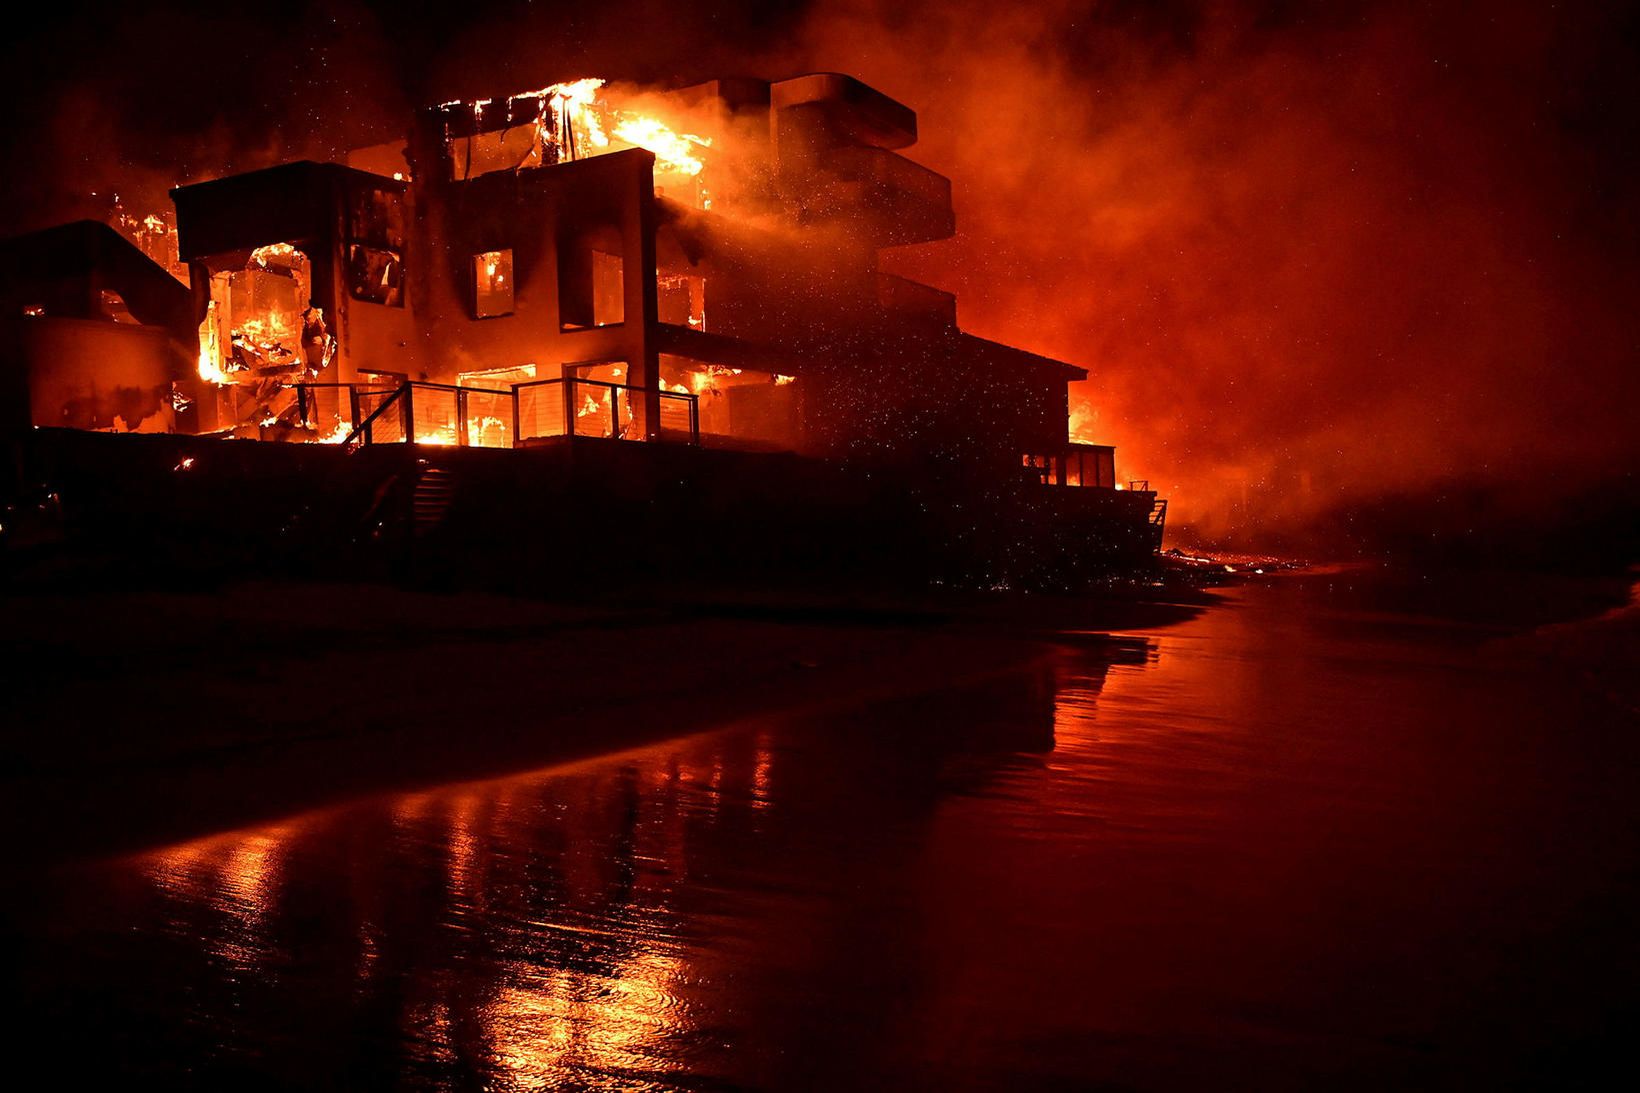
{"type": "Point", "coordinates": [627, 291]}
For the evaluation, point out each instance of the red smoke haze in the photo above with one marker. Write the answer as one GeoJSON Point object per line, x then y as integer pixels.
{"type": "Point", "coordinates": [1309, 266]}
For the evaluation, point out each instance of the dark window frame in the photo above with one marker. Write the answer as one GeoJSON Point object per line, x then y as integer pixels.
{"type": "Point", "coordinates": [512, 284]}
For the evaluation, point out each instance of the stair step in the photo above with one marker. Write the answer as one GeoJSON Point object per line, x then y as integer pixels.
{"type": "Point", "coordinates": [430, 502]}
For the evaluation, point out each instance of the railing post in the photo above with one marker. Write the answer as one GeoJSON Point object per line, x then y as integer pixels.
{"type": "Point", "coordinates": [301, 404]}
{"type": "Point", "coordinates": [517, 436]}
{"type": "Point", "coordinates": [407, 411]}
{"type": "Point", "coordinates": [569, 407]}
{"type": "Point", "coordinates": [614, 413]}
{"type": "Point", "coordinates": [461, 418]}
{"type": "Point", "coordinates": [694, 419]}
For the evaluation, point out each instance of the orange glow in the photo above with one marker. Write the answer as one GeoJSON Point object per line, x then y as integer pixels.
{"type": "Point", "coordinates": [705, 379]}
{"type": "Point", "coordinates": [235, 876]}
{"type": "Point", "coordinates": [439, 436]}
{"type": "Point", "coordinates": [210, 349]}
{"type": "Point", "coordinates": [1083, 419]}
{"type": "Point", "coordinates": [551, 1026]}
{"type": "Point", "coordinates": [579, 119]}
{"type": "Point", "coordinates": [340, 432]}
{"type": "Point", "coordinates": [675, 151]}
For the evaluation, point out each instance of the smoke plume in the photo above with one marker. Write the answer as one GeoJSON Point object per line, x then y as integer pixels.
{"type": "Point", "coordinates": [1313, 263]}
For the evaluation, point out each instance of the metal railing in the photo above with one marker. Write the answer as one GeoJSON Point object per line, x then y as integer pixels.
{"type": "Point", "coordinates": [451, 416]}
{"type": "Point", "coordinates": [326, 408]}
{"type": "Point", "coordinates": [367, 430]}
{"type": "Point", "coordinates": [482, 417]}
{"type": "Point", "coordinates": [595, 408]}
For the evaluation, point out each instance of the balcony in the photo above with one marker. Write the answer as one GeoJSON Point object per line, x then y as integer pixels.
{"type": "Point", "coordinates": [894, 200]}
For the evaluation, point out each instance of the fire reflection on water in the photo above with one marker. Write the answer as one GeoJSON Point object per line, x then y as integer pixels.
{"type": "Point", "coordinates": [761, 775]}
{"type": "Point", "coordinates": [580, 957]}
{"type": "Point", "coordinates": [1159, 861]}
{"type": "Point", "coordinates": [550, 1026]}
{"type": "Point", "coordinates": [572, 927]}
{"type": "Point", "coordinates": [462, 844]}
{"type": "Point", "coordinates": [236, 879]}
{"type": "Point", "coordinates": [559, 952]}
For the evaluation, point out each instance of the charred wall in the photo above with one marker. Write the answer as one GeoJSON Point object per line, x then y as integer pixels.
{"type": "Point", "coordinates": [340, 219]}
{"type": "Point", "coordinates": [551, 225]}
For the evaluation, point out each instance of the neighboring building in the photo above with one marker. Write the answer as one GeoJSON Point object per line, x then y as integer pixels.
{"type": "Point", "coordinates": [93, 334]}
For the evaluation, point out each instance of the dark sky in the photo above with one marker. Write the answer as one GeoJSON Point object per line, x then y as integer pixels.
{"type": "Point", "coordinates": [108, 93]}
{"type": "Point", "coordinates": [1315, 254]}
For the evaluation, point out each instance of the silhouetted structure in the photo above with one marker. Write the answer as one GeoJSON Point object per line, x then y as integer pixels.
{"type": "Point", "coordinates": [558, 267]}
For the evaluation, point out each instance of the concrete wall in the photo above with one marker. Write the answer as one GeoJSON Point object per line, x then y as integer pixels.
{"type": "Point", "coordinates": [92, 374]}
{"type": "Point", "coordinates": [549, 219]}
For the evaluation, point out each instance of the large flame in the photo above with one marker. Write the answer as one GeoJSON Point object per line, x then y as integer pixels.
{"type": "Point", "coordinates": [579, 120]}
{"type": "Point", "coordinates": [675, 151]}
{"type": "Point", "coordinates": [210, 349]}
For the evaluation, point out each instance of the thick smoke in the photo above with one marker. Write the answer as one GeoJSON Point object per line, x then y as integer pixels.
{"type": "Point", "coordinates": [1312, 266]}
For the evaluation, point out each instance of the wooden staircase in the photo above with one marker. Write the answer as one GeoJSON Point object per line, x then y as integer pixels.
{"type": "Point", "coordinates": [430, 502]}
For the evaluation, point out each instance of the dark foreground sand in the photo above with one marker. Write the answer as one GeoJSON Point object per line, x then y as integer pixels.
{"type": "Point", "coordinates": [136, 719]}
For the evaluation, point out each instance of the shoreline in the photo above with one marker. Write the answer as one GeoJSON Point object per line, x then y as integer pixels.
{"type": "Point", "coordinates": [266, 700]}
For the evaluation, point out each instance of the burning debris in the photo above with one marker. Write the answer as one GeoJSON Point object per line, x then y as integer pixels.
{"type": "Point", "coordinates": [264, 312]}
{"type": "Point", "coordinates": [562, 123]}
{"type": "Point", "coordinates": [154, 233]}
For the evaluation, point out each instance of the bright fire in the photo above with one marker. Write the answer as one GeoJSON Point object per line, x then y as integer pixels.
{"type": "Point", "coordinates": [1082, 424]}
{"type": "Point", "coordinates": [580, 122]}
{"type": "Point", "coordinates": [341, 431]}
{"type": "Point", "coordinates": [674, 150]}
{"type": "Point", "coordinates": [705, 379]}
{"type": "Point", "coordinates": [210, 350]}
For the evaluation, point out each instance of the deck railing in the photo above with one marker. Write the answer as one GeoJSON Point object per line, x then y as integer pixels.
{"type": "Point", "coordinates": [482, 417]}
{"type": "Point", "coordinates": [387, 423]}
{"type": "Point", "coordinates": [595, 408]}
{"type": "Point", "coordinates": [338, 408]}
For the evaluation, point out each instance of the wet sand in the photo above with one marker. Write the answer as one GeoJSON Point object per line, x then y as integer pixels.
{"type": "Point", "coordinates": [143, 718]}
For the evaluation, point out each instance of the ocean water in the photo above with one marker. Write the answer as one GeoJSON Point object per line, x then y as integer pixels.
{"type": "Point", "coordinates": [1313, 838]}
